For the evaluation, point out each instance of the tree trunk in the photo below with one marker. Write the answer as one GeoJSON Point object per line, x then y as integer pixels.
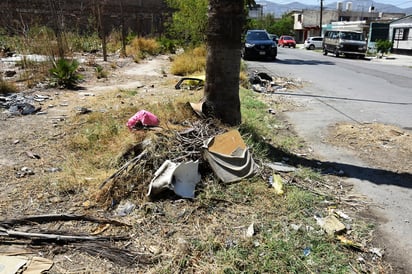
{"type": "Point", "coordinates": [225, 22]}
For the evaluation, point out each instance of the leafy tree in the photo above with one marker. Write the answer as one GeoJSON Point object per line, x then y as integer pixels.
{"type": "Point", "coordinates": [189, 21]}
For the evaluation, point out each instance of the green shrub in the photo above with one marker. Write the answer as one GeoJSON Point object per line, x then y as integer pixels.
{"type": "Point", "coordinates": [383, 46]}
{"type": "Point", "coordinates": [64, 73]}
{"type": "Point", "coordinates": [167, 45]}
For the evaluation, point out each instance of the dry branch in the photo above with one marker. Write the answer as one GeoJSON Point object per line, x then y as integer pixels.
{"type": "Point", "coordinates": [58, 217]}
{"type": "Point", "coordinates": [55, 237]}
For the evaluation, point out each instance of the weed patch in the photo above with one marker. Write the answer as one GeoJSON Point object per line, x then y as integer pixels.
{"type": "Point", "coordinates": [190, 62]}
{"type": "Point", "coordinates": [6, 87]}
{"type": "Point", "coordinates": [140, 48]}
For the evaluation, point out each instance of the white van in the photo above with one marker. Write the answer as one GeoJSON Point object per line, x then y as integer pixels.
{"type": "Point", "coordinates": [349, 43]}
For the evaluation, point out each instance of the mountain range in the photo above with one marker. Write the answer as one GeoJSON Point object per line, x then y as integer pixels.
{"type": "Point", "coordinates": [360, 5]}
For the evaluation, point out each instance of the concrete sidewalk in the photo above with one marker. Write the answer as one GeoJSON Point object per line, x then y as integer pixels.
{"type": "Point", "coordinates": [393, 59]}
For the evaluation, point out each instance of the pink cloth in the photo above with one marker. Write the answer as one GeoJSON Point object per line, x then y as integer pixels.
{"type": "Point", "coordinates": [144, 118]}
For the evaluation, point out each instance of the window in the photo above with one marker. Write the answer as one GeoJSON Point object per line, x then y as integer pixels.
{"type": "Point", "coordinates": [401, 34]}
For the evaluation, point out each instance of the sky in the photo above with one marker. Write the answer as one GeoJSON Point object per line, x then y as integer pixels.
{"type": "Point", "coordinates": [399, 3]}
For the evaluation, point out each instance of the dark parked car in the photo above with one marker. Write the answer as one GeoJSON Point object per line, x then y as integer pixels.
{"type": "Point", "coordinates": [258, 44]}
{"type": "Point", "coordinates": [287, 41]}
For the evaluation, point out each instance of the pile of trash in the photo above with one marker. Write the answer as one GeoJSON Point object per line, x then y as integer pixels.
{"type": "Point", "coordinates": [264, 83]}
{"type": "Point", "coordinates": [19, 104]}
{"type": "Point", "coordinates": [181, 158]}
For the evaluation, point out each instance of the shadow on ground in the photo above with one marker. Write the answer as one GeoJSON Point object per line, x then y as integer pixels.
{"type": "Point", "coordinates": [303, 62]}
{"type": "Point", "coordinates": [374, 175]}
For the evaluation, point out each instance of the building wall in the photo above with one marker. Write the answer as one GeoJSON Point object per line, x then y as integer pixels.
{"type": "Point", "coordinates": [142, 16]}
{"type": "Point", "coordinates": [307, 22]}
{"type": "Point", "coordinates": [400, 33]}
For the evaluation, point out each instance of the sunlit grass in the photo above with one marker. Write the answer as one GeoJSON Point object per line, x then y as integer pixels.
{"type": "Point", "coordinates": [140, 47]}
{"type": "Point", "coordinates": [190, 62]}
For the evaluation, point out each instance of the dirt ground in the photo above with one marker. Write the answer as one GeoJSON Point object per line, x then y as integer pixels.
{"type": "Point", "coordinates": [384, 146]}
{"type": "Point", "coordinates": [28, 143]}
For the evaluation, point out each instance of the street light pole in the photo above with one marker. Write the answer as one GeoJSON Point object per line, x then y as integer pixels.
{"type": "Point", "coordinates": [320, 21]}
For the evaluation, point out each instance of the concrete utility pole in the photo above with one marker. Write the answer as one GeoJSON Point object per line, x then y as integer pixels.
{"type": "Point", "coordinates": [320, 21]}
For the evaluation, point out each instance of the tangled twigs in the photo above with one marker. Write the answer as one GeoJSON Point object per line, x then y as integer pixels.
{"type": "Point", "coordinates": [123, 168]}
{"type": "Point", "coordinates": [190, 141]}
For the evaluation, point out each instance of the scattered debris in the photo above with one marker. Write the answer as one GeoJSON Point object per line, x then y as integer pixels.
{"type": "Point", "coordinates": [377, 251]}
{"type": "Point", "coordinates": [198, 109]}
{"type": "Point", "coordinates": [194, 83]}
{"type": "Point", "coordinates": [142, 118]}
{"type": "Point", "coordinates": [250, 231]}
{"type": "Point", "coordinates": [307, 251]}
{"type": "Point", "coordinates": [330, 224]}
{"type": "Point", "coordinates": [125, 208]}
{"type": "Point", "coordinates": [53, 169]}
{"type": "Point", "coordinates": [349, 243]}
{"type": "Point", "coordinates": [342, 214]}
{"type": "Point", "coordinates": [281, 167]}
{"type": "Point", "coordinates": [263, 83]}
{"type": "Point", "coordinates": [229, 157]}
{"type": "Point", "coordinates": [23, 109]}
{"type": "Point", "coordinates": [181, 178]}
{"type": "Point", "coordinates": [24, 171]}
{"type": "Point", "coordinates": [9, 73]}
{"type": "Point", "coordinates": [32, 155]}
{"type": "Point", "coordinates": [22, 264]}
{"type": "Point", "coordinates": [82, 110]}
{"type": "Point", "coordinates": [275, 181]}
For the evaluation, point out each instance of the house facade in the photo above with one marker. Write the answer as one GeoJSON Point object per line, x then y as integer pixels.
{"type": "Point", "coordinates": [400, 33]}
{"type": "Point", "coordinates": [307, 22]}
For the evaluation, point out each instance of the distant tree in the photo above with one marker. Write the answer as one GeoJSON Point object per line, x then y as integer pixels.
{"type": "Point", "coordinates": [284, 25]}
{"type": "Point", "coordinates": [57, 15]}
{"type": "Point", "coordinates": [268, 22]}
{"type": "Point", "coordinates": [189, 21]}
{"type": "Point", "coordinates": [98, 9]}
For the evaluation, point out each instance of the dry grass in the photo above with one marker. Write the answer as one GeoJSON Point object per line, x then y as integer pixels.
{"type": "Point", "coordinates": [190, 62]}
{"type": "Point", "coordinates": [140, 47]}
{"type": "Point", "coordinates": [7, 87]}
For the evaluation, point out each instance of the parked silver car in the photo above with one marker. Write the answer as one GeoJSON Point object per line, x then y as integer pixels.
{"type": "Point", "coordinates": [313, 42]}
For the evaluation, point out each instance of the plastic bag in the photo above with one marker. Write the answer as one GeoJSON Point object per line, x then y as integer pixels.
{"type": "Point", "coordinates": [144, 118]}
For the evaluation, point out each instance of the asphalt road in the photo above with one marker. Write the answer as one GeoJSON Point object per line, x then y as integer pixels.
{"type": "Point", "coordinates": [355, 90]}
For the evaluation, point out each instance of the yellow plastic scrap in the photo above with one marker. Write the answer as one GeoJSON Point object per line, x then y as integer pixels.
{"type": "Point", "coordinates": [277, 184]}
{"type": "Point", "coordinates": [349, 243]}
